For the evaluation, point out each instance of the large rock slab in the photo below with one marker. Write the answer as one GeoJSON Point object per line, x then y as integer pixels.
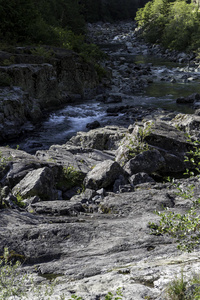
{"type": "Point", "coordinates": [80, 159]}
{"type": "Point", "coordinates": [99, 252]}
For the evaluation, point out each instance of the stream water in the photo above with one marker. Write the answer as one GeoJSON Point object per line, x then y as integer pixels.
{"type": "Point", "coordinates": [62, 124]}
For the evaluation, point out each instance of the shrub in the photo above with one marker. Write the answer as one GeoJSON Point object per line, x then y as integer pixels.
{"type": "Point", "coordinates": [174, 24]}
{"type": "Point", "coordinates": [184, 228]}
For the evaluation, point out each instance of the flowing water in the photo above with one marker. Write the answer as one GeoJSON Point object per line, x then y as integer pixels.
{"type": "Point", "coordinates": [64, 123]}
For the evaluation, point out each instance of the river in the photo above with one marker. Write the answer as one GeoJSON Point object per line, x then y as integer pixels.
{"type": "Point", "coordinates": [166, 82]}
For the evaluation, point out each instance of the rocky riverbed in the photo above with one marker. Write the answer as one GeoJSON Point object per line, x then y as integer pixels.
{"type": "Point", "coordinates": [81, 210]}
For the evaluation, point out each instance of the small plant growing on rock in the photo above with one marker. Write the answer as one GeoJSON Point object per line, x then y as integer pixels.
{"type": "Point", "coordinates": [12, 283]}
{"type": "Point", "coordinates": [42, 51]}
{"type": "Point", "coordinates": [184, 228]}
{"type": "Point", "coordinates": [193, 157]}
{"type": "Point", "coordinates": [19, 201]}
{"type": "Point", "coordinates": [71, 177]}
{"type": "Point", "coordinates": [74, 297]}
{"type": "Point", "coordinates": [136, 144]}
{"type": "Point", "coordinates": [118, 295]}
{"type": "Point", "coordinates": [8, 62]}
{"type": "Point", "coordinates": [177, 288]}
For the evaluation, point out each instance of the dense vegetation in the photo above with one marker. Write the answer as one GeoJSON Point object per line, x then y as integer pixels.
{"type": "Point", "coordinates": [52, 21]}
{"type": "Point", "coordinates": [174, 24]}
{"type": "Point", "coordinates": [31, 21]}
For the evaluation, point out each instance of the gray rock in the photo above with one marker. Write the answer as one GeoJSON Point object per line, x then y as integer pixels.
{"type": "Point", "coordinates": [140, 178]}
{"type": "Point", "coordinates": [187, 123]}
{"type": "Point", "coordinates": [119, 182]}
{"type": "Point", "coordinates": [103, 175]}
{"type": "Point", "coordinates": [93, 125]}
{"type": "Point", "coordinates": [57, 208]}
{"type": "Point", "coordinates": [113, 98]}
{"type": "Point", "coordinates": [106, 138]}
{"type": "Point", "coordinates": [190, 99]}
{"type": "Point", "coordinates": [149, 161]}
{"type": "Point", "coordinates": [39, 182]}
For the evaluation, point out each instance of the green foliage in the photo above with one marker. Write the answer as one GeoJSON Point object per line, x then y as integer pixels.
{"type": "Point", "coordinates": [118, 295]}
{"type": "Point", "coordinates": [72, 177]}
{"type": "Point", "coordinates": [75, 297]}
{"type": "Point", "coordinates": [184, 228]}
{"type": "Point", "coordinates": [19, 200]}
{"type": "Point", "coordinates": [12, 283]}
{"type": "Point", "coordinates": [139, 145]}
{"type": "Point", "coordinates": [8, 62]}
{"type": "Point", "coordinates": [177, 288]}
{"type": "Point", "coordinates": [42, 51]}
{"type": "Point", "coordinates": [31, 21]}
{"type": "Point", "coordinates": [193, 157]}
{"type": "Point", "coordinates": [15, 284]}
{"type": "Point", "coordinates": [111, 10]}
{"type": "Point", "coordinates": [174, 24]}
{"type": "Point", "coordinates": [3, 161]}
{"type": "Point", "coordinates": [181, 288]}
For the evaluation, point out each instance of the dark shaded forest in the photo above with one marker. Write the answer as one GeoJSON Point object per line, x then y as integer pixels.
{"type": "Point", "coordinates": [51, 21]}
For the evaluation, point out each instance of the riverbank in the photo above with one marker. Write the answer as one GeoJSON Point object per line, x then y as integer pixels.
{"type": "Point", "coordinates": [140, 81]}
{"type": "Point", "coordinates": [80, 211]}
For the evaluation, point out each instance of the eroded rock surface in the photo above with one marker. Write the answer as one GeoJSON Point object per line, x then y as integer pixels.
{"type": "Point", "coordinates": [81, 210]}
{"type": "Point", "coordinates": [97, 239]}
{"type": "Point", "coordinates": [31, 84]}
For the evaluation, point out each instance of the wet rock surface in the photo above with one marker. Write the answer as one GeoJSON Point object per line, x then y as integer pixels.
{"type": "Point", "coordinates": [82, 209]}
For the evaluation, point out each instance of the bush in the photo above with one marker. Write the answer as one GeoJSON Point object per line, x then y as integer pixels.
{"type": "Point", "coordinates": [184, 228]}
{"type": "Point", "coordinates": [174, 24]}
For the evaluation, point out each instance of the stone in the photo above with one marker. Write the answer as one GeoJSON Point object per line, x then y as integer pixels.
{"type": "Point", "coordinates": [103, 175]}
{"type": "Point", "coordinates": [93, 125]}
{"type": "Point", "coordinates": [57, 208]}
{"type": "Point", "coordinates": [190, 99]}
{"type": "Point", "coordinates": [140, 178]}
{"type": "Point", "coordinates": [187, 123]}
{"type": "Point", "coordinates": [149, 162]}
{"type": "Point", "coordinates": [113, 98]}
{"type": "Point", "coordinates": [38, 182]}
{"type": "Point", "coordinates": [106, 138]}
{"type": "Point", "coordinates": [119, 182]}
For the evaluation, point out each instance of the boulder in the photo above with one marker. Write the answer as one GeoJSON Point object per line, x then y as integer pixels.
{"type": "Point", "coordinates": [106, 138]}
{"type": "Point", "coordinates": [38, 182]}
{"type": "Point", "coordinates": [165, 136]}
{"type": "Point", "coordinates": [149, 162]}
{"type": "Point", "coordinates": [103, 175]}
{"type": "Point", "coordinates": [187, 123]}
{"type": "Point", "coordinates": [93, 125]}
{"type": "Point", "coordinates": [190, 99]}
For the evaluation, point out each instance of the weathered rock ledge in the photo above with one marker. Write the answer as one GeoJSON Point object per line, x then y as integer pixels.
{"type": "Point", "coordinates": [31, 84]}
{"type": "Point", "coordinates": [91, 225]}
